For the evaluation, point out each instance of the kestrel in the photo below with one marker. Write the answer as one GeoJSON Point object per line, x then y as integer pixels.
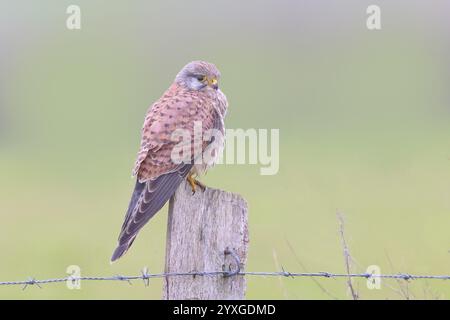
{"type": "Point", "coordinates": [194, 98]}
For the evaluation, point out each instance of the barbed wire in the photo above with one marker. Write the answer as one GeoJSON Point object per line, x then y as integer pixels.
{"type": "Point", "coordinates": [145, 276]}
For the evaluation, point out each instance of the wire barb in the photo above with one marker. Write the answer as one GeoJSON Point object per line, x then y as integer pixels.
{"type": "Point", "coordinates": [31, 282]}
{"type": "Point", "coordinates": [145, 276]}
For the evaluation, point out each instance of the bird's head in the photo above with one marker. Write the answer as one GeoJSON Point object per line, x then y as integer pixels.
{"type": "Point", "coordinates": [198, 75]}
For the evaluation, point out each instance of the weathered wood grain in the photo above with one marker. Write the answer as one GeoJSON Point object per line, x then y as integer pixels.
{"type": "Point", "coordinates": [200, 228]}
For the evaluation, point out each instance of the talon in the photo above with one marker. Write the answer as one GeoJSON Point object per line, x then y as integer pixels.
{"type": "Point", "coordinates": [200, 185]}
{"type": "Point", "coordinates": [194, 183]}
{"type": "Point", "coordinates": [191, 183]}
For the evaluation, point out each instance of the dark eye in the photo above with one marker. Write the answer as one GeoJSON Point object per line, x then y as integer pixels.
{"type": "Point", "coordinates": [201, 78]}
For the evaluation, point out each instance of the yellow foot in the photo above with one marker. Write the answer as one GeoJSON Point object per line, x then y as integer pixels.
{"type": "Point", "coordinates": [194, 183]}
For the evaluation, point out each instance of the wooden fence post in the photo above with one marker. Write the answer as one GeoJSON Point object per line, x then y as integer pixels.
{"type": "Point", "coordinates": [200, 228]}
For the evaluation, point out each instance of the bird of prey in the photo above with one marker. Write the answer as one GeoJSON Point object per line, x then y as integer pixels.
{"type": "Point", "coordinates": [193, 98]}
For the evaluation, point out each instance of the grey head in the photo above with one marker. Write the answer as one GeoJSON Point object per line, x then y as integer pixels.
{"type": "Point", "coordinates": [199, 75]}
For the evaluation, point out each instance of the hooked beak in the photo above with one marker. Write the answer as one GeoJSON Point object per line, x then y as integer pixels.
{"type": "Point", "coordinates": [213, 83]}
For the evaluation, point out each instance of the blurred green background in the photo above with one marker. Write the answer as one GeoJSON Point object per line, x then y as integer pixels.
{"type": "Point", "coordinates": [364, 123]}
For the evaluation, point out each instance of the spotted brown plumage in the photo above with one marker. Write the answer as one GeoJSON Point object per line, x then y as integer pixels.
{"type": "Point", "coordinates": [193, 98]}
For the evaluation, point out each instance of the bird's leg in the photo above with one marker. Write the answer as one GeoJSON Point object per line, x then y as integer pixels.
{"type": "Point", "coordinates": [191, 181]}
{"type": "Point", "coordinates": [194, 182]}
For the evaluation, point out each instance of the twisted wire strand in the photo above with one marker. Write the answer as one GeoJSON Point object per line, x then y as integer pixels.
{"type": "Point", "coordinates": [145, 276]}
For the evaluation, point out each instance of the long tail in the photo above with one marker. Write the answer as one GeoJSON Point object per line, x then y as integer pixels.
{"type": "Point", "coordinates": [147, 199]}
